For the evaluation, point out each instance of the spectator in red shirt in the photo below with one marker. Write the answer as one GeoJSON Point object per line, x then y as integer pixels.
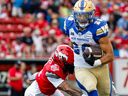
{"type": "Point", "coordinates": [55, 26]}
{"type": "Point", "coordinates": [15, 79]}
{"type": "Point", "coordinates": [40, 22]}
{"type": "Point", "coordinates": [58, 33]}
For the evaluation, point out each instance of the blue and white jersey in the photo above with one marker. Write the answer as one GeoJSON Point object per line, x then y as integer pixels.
{"type": "Point", "coordinates": [81, 39]}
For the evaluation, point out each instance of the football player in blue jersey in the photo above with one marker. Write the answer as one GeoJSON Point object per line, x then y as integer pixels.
{"type": "Point", "coordinates": [84, 30]}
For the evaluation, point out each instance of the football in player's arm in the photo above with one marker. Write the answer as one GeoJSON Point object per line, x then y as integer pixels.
{"type": "Point", "coordinates": [53, 75]}
{"type": "Point", "coordinates": [84, 30]}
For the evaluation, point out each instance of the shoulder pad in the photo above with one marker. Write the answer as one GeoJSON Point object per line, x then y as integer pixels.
{"type": "Point", "coordinates": [69, 21]}
{"type": "Point", "coordinates": [99, 22]}
{"type": "Point", "coordinates": [102, 28]}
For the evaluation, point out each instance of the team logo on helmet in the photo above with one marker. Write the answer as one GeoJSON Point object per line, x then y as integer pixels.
{"type": "Point", "coordinates": [62, 56]}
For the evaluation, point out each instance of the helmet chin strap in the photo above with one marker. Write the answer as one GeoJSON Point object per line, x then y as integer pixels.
{"type": "Point", "coordinates": [83, 25]}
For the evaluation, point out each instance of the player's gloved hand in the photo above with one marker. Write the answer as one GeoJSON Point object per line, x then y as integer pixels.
{"type": "Point", "coordinates": [92, 61]}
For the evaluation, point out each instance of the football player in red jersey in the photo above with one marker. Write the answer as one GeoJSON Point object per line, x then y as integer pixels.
{"type": "Point", "coordinates": [52, 76]}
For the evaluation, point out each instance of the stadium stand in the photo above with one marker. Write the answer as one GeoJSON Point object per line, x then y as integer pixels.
{"type": "Point", "coordinates": [34, 33]}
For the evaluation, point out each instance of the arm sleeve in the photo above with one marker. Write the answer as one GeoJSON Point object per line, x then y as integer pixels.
{"type": "Point", "coordinates": [54, 79]}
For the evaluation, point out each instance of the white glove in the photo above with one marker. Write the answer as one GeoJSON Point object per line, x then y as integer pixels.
{"type": "Point", "coordinates": [97, 63]}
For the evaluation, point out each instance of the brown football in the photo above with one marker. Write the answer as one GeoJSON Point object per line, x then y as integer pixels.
{"type": "Point", "coordinates": [93, 50]}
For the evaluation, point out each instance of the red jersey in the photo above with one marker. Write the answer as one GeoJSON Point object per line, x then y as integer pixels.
{"type": "Point", "coordinates": [17, 84]}
{"type": "Point", "coordinates": [45, 86]}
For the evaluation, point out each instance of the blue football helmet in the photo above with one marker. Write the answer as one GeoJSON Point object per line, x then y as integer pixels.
{"type": "Point", "coordinates": [83, 12]}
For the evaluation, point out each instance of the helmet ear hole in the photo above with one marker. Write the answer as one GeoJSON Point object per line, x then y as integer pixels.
{"type": "Point", "coordinates": [63, 59]}
{"type": "Point", "coordinates": [61, 49]}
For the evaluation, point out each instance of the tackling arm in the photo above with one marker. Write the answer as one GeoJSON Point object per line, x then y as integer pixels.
{"type": "Point", "coordinates": [106, 46]}
{"type": "Point", "coordinates": [64, 86]}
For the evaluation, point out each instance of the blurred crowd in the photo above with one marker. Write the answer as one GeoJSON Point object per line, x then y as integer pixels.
{"type": "Point", "coordinates": [33, 28]}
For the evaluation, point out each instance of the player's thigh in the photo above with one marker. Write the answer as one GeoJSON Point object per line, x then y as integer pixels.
{"type": "Point", "coordinates": [104, 82]}
{"type": "Point", "coordinates": [33, 90]}
{"type": "Point", "coordinates": [86, 79]}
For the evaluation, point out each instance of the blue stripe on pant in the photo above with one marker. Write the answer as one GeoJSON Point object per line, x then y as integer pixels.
{"type": "Point", "coordinates": [92, 93]}
{"type": "Point", "coordinates": [111, 85]}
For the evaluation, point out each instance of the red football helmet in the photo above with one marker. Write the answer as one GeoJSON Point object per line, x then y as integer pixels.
{"type": "Point", "coordinates": [64, 55]}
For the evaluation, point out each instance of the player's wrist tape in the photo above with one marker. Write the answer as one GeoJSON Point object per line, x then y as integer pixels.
{"type": "Point", "coordinates": [97, 62]}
